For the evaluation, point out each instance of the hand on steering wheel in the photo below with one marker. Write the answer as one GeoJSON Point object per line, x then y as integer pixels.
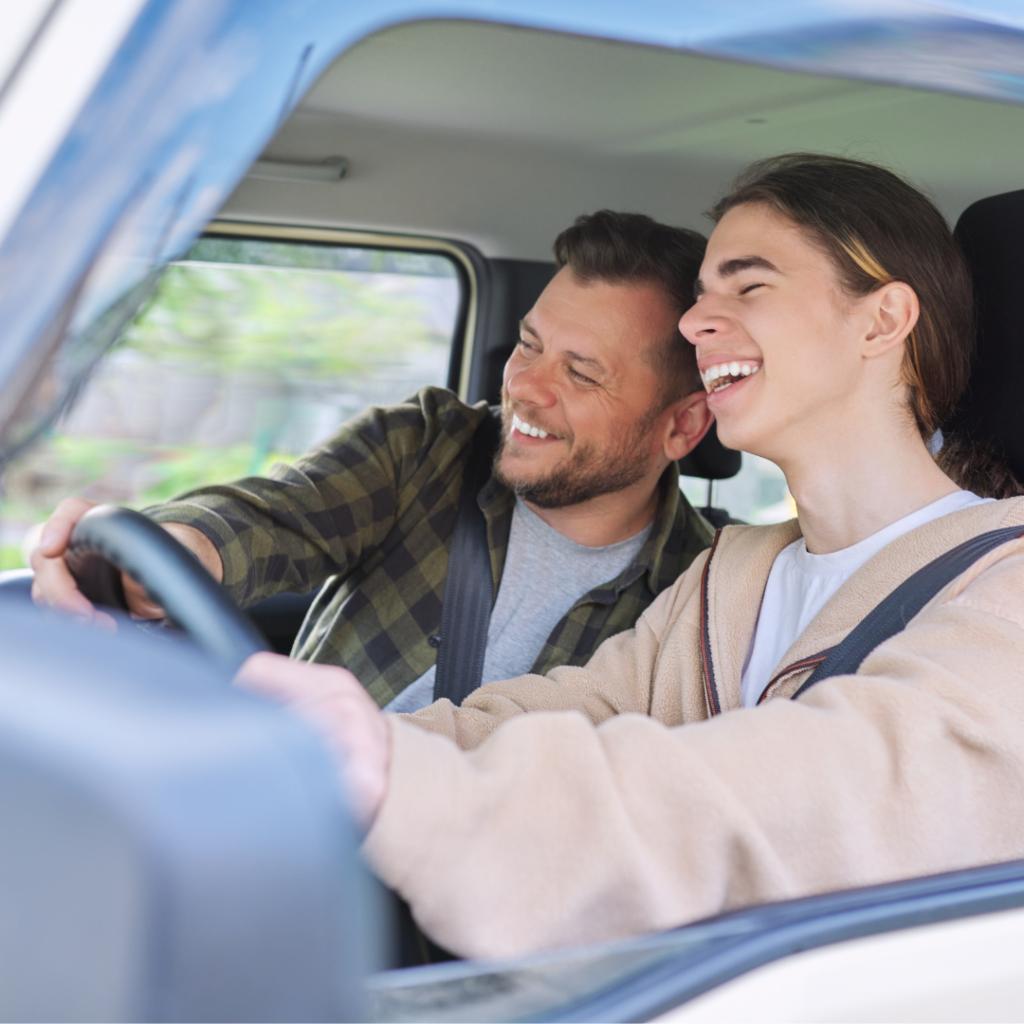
{"type": "Point", "coordinates": [108, 540]}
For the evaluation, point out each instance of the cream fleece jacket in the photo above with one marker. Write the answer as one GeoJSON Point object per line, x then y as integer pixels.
{"type": "Point", "coordinates": [623, 804]}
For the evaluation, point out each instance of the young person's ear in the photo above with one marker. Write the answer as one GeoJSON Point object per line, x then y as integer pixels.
{"type": "Point", "coordinates": [895, 311]}
{"type": "Point", "coordinates": [689, 422]}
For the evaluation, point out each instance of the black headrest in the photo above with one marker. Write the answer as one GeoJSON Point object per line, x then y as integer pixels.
{"type": "Point", "coordinates": [711, 459]}
{"type": "Point", "coordinates": [991, 235]}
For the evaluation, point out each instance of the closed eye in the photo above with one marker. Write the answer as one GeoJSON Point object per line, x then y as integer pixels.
{"type": "Point", "coordinates": [750, 287]}
{"type": "Point", "coordinates": [576, 375]}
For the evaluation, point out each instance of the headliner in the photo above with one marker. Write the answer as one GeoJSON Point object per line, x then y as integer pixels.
{"type": "Point", "coordinates": [500, 136]}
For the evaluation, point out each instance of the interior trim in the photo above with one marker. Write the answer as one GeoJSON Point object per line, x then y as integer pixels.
{"type": "Point", "coordinates": [379, 240]}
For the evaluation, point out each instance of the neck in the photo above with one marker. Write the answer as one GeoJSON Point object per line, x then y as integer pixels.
{"type": "Point", "coordinates": [855, 483]}
{"type": "Point", "coordinates": [607, 519]}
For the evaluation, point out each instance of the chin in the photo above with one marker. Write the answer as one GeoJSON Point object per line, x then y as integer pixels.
{"type": "Point", "coordinates": [743, 437]}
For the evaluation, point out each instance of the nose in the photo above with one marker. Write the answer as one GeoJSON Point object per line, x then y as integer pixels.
{"type": "Point", "coordinates": [530, 382]}
{"type": "Point", "coordinates": [702, 322]}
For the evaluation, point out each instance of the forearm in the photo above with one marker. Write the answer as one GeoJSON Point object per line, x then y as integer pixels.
{"type": "Point", "coordinates": [334, 507]}
{"type": "Point", "coordinates": [290, 531]}
{"type": "Point", "coordinates": [256, 554]}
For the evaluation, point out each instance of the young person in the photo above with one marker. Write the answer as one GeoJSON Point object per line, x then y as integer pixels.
{"type": "Point", "coordinates": [586, 522]}
{"type": "Point", "coordinates": [683, 771]}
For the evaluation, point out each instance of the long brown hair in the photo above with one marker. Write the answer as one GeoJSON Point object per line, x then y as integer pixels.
{"type": "Point", "coordinates": [875, 228]}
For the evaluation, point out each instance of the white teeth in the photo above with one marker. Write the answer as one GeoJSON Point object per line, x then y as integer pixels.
{"type": "Point", "coordinates": [732, 370]}
{"type": "Point", "coordinates": [524, 428]}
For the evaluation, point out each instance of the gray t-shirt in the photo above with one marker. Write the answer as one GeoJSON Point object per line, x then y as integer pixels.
{"type": "Point", "coordinates": [545, 574]}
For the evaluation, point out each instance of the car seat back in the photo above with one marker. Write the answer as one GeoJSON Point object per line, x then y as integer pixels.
{"type": "Point", "coordinates": [989, 233]}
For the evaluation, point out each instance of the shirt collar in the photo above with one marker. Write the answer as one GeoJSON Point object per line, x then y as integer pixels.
{"type": "Point", "coordinates": [497, 502]}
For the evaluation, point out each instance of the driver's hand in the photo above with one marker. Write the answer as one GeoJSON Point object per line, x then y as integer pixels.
{"type": "Point", "coordinates": [334, 703]}
{"type": "Point", "coordinates": [54, 585]}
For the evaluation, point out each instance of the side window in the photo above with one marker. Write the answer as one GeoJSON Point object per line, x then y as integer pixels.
{"type": "Point", "coordinates": [757, 494]}
{"type": "Point", "coordinates": [249, 352]}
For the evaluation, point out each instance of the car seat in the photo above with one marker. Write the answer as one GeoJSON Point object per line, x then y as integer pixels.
{"type": "Point", "coordinates": [989, 233]}
{"type": "Point", "coordinates": [712, 461]}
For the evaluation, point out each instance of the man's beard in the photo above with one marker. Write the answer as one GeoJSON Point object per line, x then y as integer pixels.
{"type": "Point", "coordinates": [588, 473]}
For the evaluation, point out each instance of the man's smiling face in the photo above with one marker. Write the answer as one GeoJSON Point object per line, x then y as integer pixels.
{"type": "Point", "coordinates": [580, 406]}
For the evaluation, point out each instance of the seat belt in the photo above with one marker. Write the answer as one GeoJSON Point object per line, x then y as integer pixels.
{"type": "Point", "coordinates": [891, 615]}
{"type": "Point", "coordinates": [469, 586]}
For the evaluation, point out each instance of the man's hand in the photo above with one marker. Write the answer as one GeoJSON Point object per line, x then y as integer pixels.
{"type": "Point", "coordinates": [334, 703]}
{"type": "Point", "coordinates": [56, 587]}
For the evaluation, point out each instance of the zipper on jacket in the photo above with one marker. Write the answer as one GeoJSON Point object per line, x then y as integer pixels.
{"type": "Point", "coordinates": [710, 686]}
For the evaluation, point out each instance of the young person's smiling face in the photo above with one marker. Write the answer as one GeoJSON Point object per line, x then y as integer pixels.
{"type": "Point", "coordinates": [577, 376]}
{"type": "Point", "coordinates": [778, 340]}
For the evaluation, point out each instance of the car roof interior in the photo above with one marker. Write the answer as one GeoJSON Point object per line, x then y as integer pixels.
{"type": "Point", "coordinates": [499, 136]}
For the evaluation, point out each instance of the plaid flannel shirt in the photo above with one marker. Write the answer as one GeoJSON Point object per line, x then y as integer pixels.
{"type": "Point", "coordinates": [369, 515]}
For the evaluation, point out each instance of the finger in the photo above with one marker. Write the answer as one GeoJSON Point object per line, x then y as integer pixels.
{"type": "Point", "coordinates": [54, 586]}
{"type": "Point", "coordinates": [57, 531]}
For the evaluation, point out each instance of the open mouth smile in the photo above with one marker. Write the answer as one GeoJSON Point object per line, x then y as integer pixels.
{"type": "Point", "coordinates": [528, 430]}
{"type": "Point", "coordinates": [724, 375]}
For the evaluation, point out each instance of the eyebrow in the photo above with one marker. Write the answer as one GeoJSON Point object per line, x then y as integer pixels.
{"type": "Point", "coordinates": [587, 361]}
{"type": "Point", "coordinates": [729, 268]}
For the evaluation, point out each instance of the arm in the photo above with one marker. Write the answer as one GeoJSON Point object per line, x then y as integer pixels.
{"type": "Point", "coordinates": [301, 524]}
{"type": "Point", "coordinates": [618, 679]}
{"type": "Point", "coordinates": [330, 510]}
{"type": "Point", "coordinates": [555, 832]}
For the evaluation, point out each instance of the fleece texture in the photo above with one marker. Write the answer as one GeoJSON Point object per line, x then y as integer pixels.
{"type": "Point", "coordinates": [608, 800]}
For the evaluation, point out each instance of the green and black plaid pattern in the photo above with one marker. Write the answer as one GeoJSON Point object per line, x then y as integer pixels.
{"type": "Point", "coordinates": [370, 513]}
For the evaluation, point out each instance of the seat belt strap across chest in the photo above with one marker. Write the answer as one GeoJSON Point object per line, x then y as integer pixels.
{"type": "Point", "coordinates": [469, 585]}
{"type": "Point", "coordinates": [891, 615]}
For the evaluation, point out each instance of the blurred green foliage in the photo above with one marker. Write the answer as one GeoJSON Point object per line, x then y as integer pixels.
{"type": "Point", "coordinates": [317, 319]}
{"type": "Point", "coordinates": [298, 325]}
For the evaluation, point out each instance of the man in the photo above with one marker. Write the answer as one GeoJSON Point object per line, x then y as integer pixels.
{"type": "Point", "coordinates": [586, 523]}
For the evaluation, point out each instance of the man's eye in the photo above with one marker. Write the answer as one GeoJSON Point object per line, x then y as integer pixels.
{"type": "Point", "coordinates": [750, 287]}
{"type": "Point", "coordinates": [576, 375]}
{"type": "Point", "coordinates": [523, 343]}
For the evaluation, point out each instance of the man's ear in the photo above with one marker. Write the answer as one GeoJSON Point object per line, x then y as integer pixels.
{"type": "Point", "coordinates": [689, 422]}
{"type": "Point", "coordinates": [894, 311]}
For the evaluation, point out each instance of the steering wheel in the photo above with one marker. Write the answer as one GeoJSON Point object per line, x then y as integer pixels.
{"type": "Point", "coordinates": [109, 539]}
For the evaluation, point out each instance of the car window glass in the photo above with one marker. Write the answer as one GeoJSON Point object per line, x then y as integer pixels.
{"type": "Point", "coordinates": [757, 494]}
{"type": "Point", "coordinates": [248, 352]}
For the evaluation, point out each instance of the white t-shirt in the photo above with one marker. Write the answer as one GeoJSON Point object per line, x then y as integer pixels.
{"type": "Point", "coordinates": [800, 585]}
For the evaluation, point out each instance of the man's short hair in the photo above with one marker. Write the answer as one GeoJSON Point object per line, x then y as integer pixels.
{"type": "Point", "coordinates": [631, 248]}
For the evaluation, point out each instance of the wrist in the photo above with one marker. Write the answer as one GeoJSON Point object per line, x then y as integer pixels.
{"type": "Point", "coordinates": [200, 545]}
